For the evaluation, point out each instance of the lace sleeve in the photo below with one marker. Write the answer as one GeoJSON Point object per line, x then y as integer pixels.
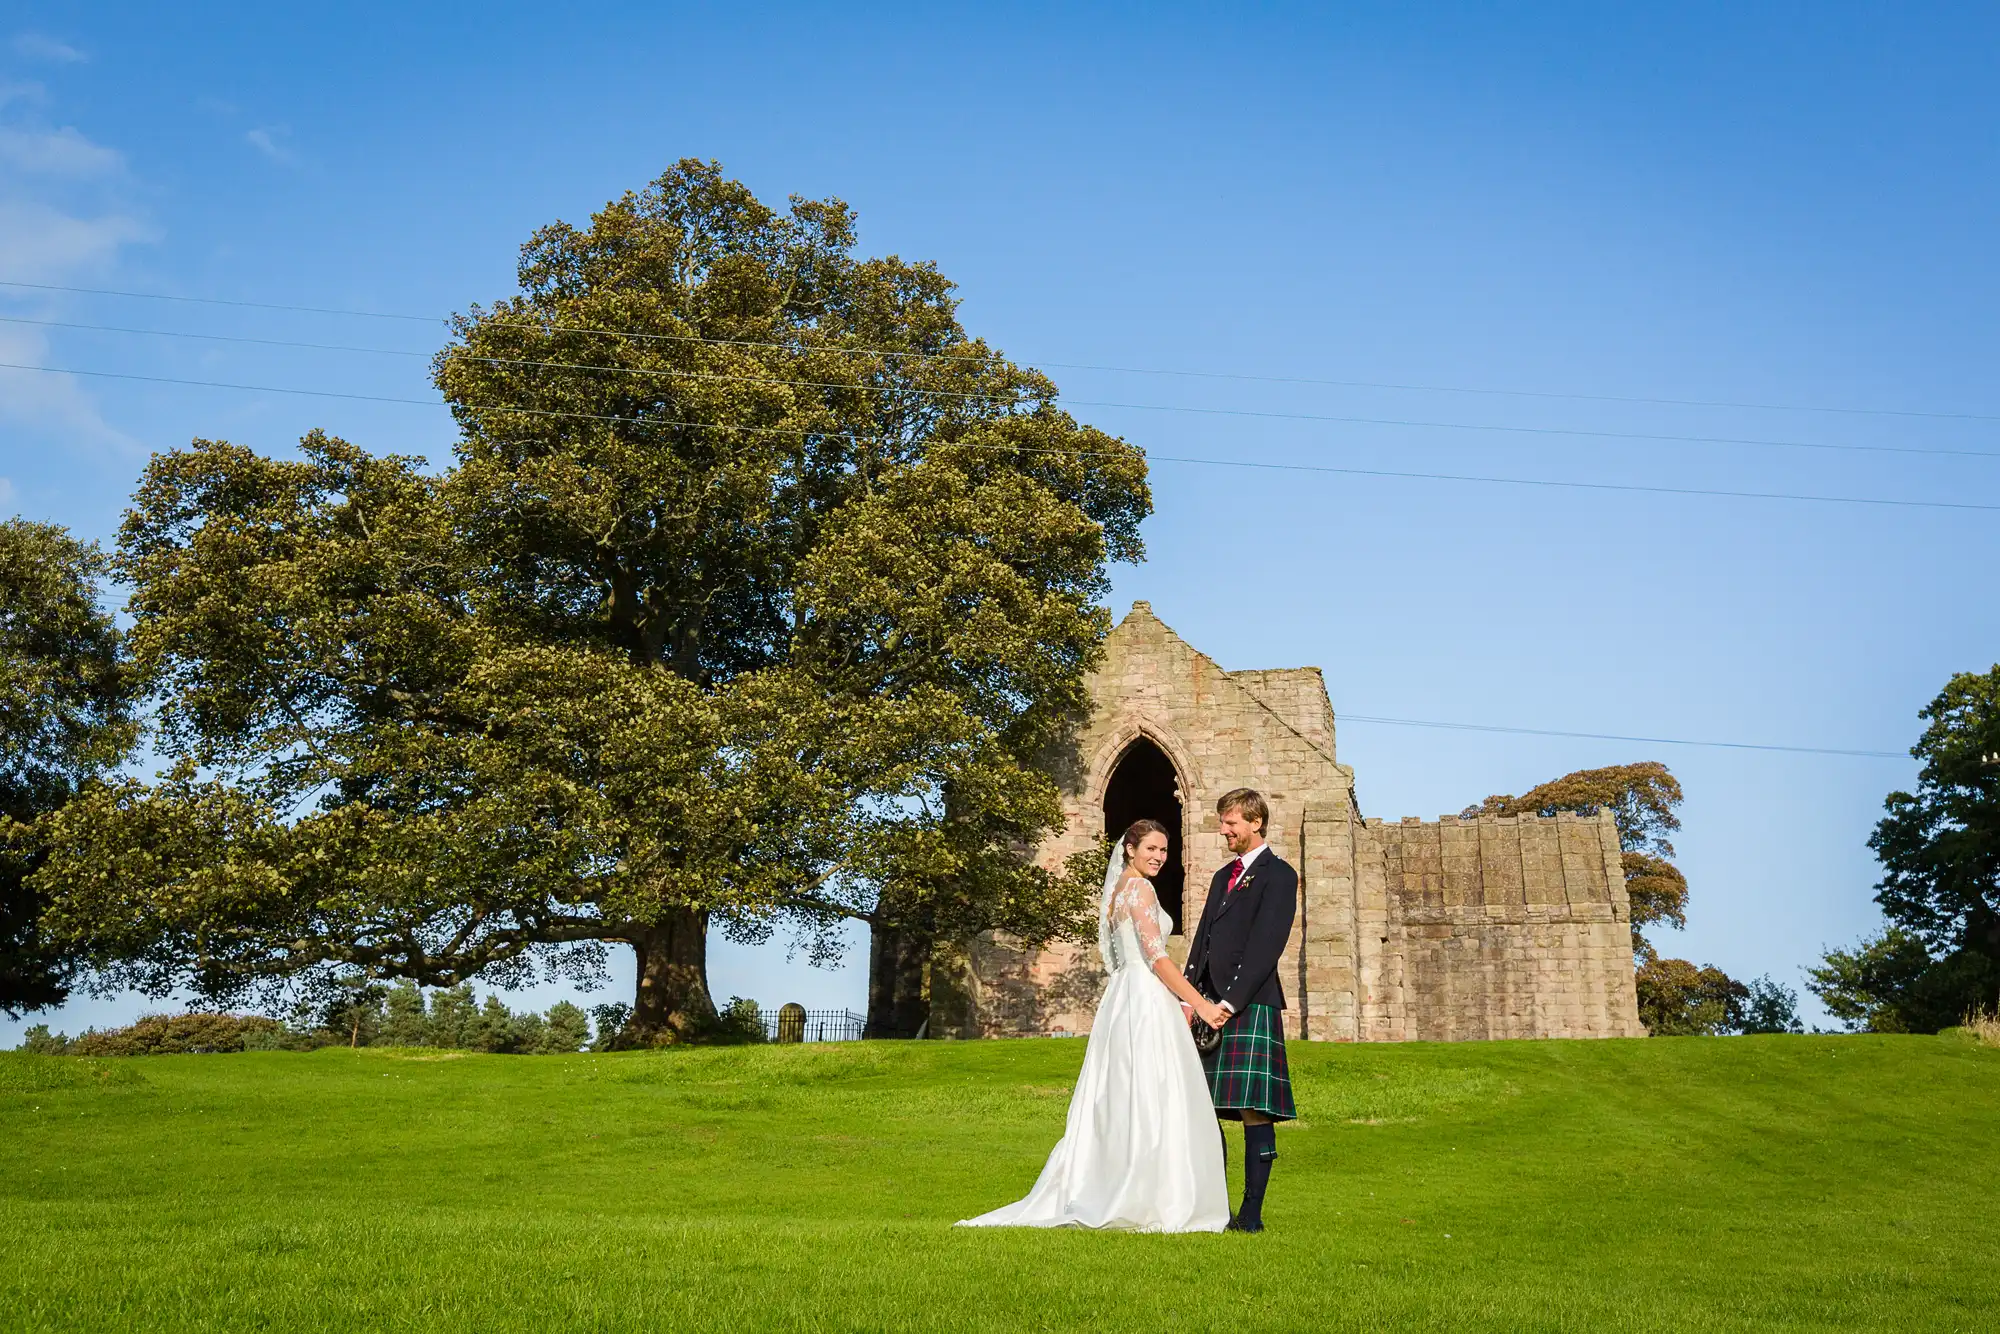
{"type": "Point", "coordinates": [1135, 900]}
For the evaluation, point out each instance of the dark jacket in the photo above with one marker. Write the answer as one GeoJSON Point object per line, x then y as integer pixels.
{"type": "Point", "coordinates": [1242, 933]}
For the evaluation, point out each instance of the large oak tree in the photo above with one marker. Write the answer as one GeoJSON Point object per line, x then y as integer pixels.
{"type": "Point", "coordinates": [757, 589]}
{"type": "Point", "coordinates": [63, 724]}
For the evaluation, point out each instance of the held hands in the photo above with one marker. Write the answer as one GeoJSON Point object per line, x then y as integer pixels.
{"type": "Point", "coordinates": [1212, 1014]}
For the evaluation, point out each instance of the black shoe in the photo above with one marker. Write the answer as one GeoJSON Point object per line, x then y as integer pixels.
{"type": "Point", "coordinates": [1237, 1224]}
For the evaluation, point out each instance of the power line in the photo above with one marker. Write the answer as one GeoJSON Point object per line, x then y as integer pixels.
{"type": "Point", "coordinates": [1608, 736]}
{"type": "Point", "coordinates": [1154, 458]}
{"type": "Point", "coordinates": [1395, 386]}
{"type": "Point", "coordinates": [1539, 430]}
{"type": "Point", "coordinates": [218, 301]}
{"type": "Point", "coordinates": [968, 396]}
{"type": "Point", "coordinates": [210, 338]}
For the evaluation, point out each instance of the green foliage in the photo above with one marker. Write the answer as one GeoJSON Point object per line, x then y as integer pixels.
{"type": "Point", "coordinates": [739, 1021]}
{"type": "Point", "coordinates": [1891, 983]}
{"type": "Point", "coordinates": [491, 1028]}
{"type": "Point", "coordinates": [566, 1029]}
{"type": "Point", "coordinates": [1678, 999]}
{"type": "Point", "coordinates": [355, 1013]}
{"type": "Point", "coordinates": [611, 1020]}
{"type": "Point", "coordinates": [179, 1034]}
{"type": "Point", "coordinates": [1939, 958]}
{"type": "Point", "coordinates": [63, 723]}
{"type": "Point", "coordinates": [364, 1018]}
{"type": "Point", "coordinates": [452, 1016]}
{"type": "Point", "coordinates": [1433, 1186]}
{"type": "Point", "coordinates": [1770, 1007]}
{"type": "Point", "coordinates": [768, 606]}
{"type": "Point", "coordinates": [37, 1040]}
{"type": "Point", "coordinates": [406, 1020]}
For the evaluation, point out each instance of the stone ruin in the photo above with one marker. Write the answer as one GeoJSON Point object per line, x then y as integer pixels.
{"type": "Point", "coordinates": [1495, 927]}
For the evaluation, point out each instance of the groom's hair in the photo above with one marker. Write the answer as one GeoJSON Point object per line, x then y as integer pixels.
{"type": "Point", "coordinates": [1136, 834]}
{"type": "Point", "coordinates": [1247, 802]}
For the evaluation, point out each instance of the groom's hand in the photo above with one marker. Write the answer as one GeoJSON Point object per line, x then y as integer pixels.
{"type": "Point", "coordinates": [1187, 1014]}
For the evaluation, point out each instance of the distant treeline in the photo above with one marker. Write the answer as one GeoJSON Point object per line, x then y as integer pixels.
{"type": "Point", "coordinates": [400, 1016]}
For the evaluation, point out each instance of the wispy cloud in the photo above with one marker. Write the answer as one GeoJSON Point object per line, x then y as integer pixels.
{"type": "Point", "coordinates": [62, 152]}
{"type": "Point", "coordinates": [65, 216]}
{"type": "Point", "coordinates": [6, 491]}
{"type": "Point", "coordinates": [267, 139]}
{"type": "Point", "coordinates": [41, 399]}
{"type": "Point", "coordinates": [39, 46]}
{"type": "Point", "coordinates": [41, 243]}
{"type": "Point", "coordinates": [12, 91]}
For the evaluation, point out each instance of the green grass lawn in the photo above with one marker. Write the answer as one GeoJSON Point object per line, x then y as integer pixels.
{"type": "Point", "coordinates": [1670, 1184]}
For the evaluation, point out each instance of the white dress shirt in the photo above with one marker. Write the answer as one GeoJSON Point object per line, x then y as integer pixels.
{"type": "Point", "coordinates": [1246, 858]}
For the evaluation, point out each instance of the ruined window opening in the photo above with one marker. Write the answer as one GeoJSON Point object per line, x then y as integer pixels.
{"type": "Point", "coordinates": [1144, 786]}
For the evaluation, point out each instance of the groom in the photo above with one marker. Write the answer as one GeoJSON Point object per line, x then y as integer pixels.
{"type": "Point", "coordinates": [1244, 926]}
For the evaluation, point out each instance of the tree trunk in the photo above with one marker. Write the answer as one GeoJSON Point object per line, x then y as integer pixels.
{"type": "Point", "coordinates": [899, 999]}
{"type": "Point", "coordinates": [672, 1000]}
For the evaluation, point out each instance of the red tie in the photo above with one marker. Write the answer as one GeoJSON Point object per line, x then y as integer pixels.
{"type": "Point", "coordinates": [1235, 874]}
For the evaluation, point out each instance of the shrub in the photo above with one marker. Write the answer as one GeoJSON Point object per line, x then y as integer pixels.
{"type": "Point", "coordinates": [1677, 999]}
{"type": "Point", "coordinates": [1984, 1025]}
{"type": "Point", "coordinates": [739, 1021]}
{"type": "Point", "coordinates": [40, 1042]}
{"type": "Point", "coordinates": [179, 1034]}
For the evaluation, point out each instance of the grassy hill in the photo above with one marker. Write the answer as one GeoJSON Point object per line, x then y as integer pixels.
{"type": "Point", "coordinates": [1671, 1184]}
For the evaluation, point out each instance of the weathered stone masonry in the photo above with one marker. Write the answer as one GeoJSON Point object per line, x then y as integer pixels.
{"type": "Point", "coordinates": [1499, 927]}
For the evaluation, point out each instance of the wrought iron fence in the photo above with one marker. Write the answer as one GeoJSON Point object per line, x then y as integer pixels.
{"type": "Point", "coordinates": [797, 1024]}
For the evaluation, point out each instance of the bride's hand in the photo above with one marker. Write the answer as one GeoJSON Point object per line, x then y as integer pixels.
{"type": "Point", "coordinates": [1214, 1015]}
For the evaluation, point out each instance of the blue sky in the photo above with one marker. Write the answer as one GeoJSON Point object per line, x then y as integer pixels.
{"type": "Point", "coordinates": [1787, 205]}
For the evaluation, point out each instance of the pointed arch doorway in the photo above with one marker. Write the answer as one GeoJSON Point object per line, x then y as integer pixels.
{"type": "Point", "coordinates": [1144, 786]}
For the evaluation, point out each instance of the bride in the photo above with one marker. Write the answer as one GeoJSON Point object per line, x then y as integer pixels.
{"type": "Point", "coordinates": [1140, 1151]}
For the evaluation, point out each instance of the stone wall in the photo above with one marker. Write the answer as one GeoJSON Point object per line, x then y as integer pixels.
{"type": "Point", "coordinates": [1486, 928]}
{"type": "Point", "coordinates": [1506, 927]}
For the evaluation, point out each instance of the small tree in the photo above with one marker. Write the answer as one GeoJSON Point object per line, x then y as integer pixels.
{"type": "Point", "coordinates": [406, 1021]}
{"type": "Point", "coordinates": [39, 1041]}
{"type": "Point", "coordinates": [492, 1027]}
{"type": "Point", "coordinates": [452, 1016]}
{"type": "Point", "coordinates": [567, 1030]}
{"type": "Point", "coordinates": [1770, 1007]}
{"type": "Point", "coordinates": [1677, 999]}
{"type": "Point", "coordinates": [354, 1015]}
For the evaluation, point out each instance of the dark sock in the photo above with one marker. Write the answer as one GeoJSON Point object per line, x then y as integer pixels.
{"type": "Point", "coordinates": [1260, 1150]}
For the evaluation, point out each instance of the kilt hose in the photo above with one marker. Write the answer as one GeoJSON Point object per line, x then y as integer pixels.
{"type": "Point", "coordinates": [1248, 1071]}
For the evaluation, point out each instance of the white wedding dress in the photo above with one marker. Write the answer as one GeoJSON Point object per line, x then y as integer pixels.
{"type": "Point", "coordinates": [1140, 1151]}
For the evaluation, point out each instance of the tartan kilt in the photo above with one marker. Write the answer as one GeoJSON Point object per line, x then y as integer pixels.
{"type": "Point", "coordinates": [1249, 1069]}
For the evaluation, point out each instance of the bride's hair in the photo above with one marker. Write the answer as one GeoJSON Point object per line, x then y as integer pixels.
{"type": "Point", "coordinates": [1136, 835]}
